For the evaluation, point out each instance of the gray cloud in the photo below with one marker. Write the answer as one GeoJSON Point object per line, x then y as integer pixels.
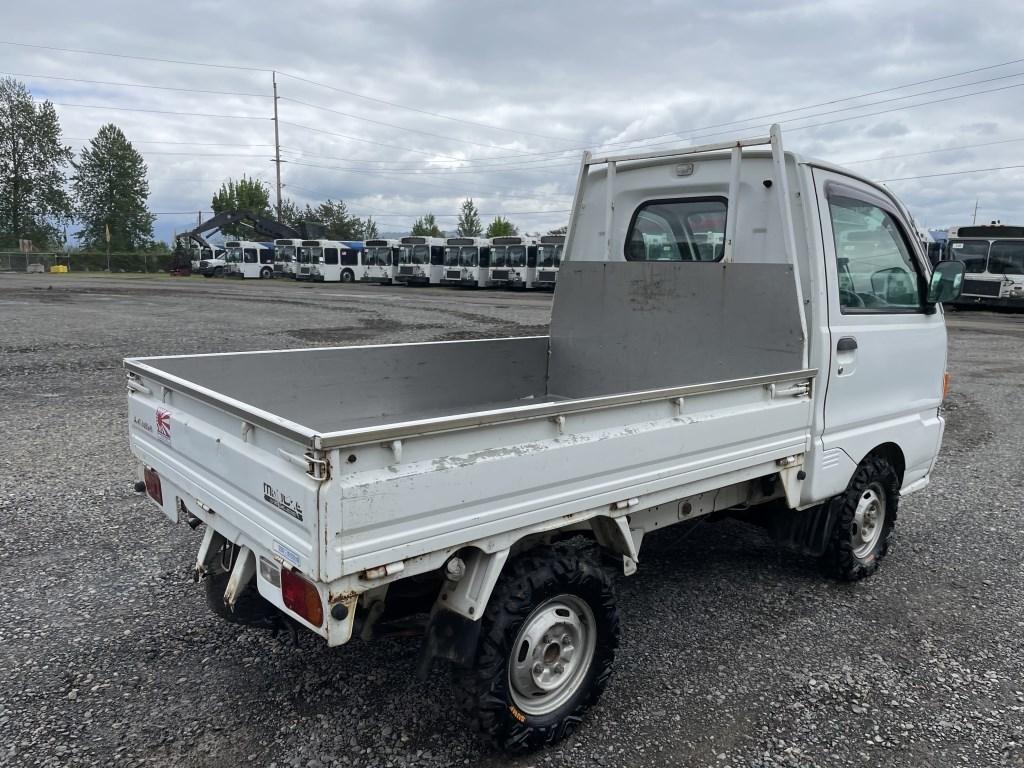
{"type": "Point", "coordinates": [579, 73]}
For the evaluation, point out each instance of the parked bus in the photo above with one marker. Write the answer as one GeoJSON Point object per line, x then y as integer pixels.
{"type": "Point", "coordinates": [248, 259]}
{"type": "Point", "coordinates": [330, 261]}
{"type": "Point", "coordinates": [285, 255]}
{"type": "Point", "coordinates": [549, 258]}
{"type": "Point", "coordinates": [467, 261]}
{"type": "Point", "coordinates": [513, 262]}
{"type": "Point", "coordinates": [380, 261]}
{"type": "Point", "coordinates": [420, 260]}
{"type": "Point", "coordinates": [993, 255]}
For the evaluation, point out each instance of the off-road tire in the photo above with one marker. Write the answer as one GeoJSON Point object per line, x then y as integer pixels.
{"type": "Point", "coordinates": [840, 560]}
{"type": "Point", "coordinates": [483, 690]}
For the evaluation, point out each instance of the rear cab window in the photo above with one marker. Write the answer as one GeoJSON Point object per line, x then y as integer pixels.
{"type": "Point", "coordinates": [682, 229]}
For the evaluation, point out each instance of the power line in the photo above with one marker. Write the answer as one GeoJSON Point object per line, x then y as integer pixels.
{"type": "Point", "coordinates": [391, 125]}
{"type": "Point", "coordinates": [137, 85]}
{"type": "Point", "coordinates": [137, 58]}
{"type": "Point", "coordinates": [157, 111]}
{"type": "Point", "coordinates": [930, 151]}
{"type": "Point", "coordinates": [953, 173]}
{"type": "Point", "coordinates": [416, 109]}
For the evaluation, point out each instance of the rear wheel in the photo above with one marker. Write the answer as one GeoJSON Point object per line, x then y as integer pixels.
{"type": "Point", "coordinates": [547, 645]}
{"type": "Point", "coordinates": [347, 276]}
{"type": "Point", "coordinates": [865, 516]}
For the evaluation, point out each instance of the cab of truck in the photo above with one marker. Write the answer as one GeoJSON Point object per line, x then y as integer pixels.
{"type": "Point", "coordinates": [513, 262]}
{"type": "Point", "coordinates": [420, 260]}
{"type": "Point", "coordinates": [549, 259]}
{"type": "Point", "coordinates": [381, 261]}
{"type": "Point", "coordinates": [467, 262]}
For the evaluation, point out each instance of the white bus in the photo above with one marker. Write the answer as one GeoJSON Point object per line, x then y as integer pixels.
{"type": "Point", "coordinates": [467, 261]}
{"type": "Point", "coordinates": [420, 260]}
{"type": "Point", "coordinates": [513, 262]}
{"type": "Point", "coordinates": [245, 258]}
{"type": "Point", "coordinates": [333, 261]}
{"type": "Point", "coordinates": [993, 257]}
{"type": "Point", "coordinates": [549, 258]}
{"type": "Point", "coordinates": [380, 261]}
{"type": "Point", "coordinates": [285, 250]}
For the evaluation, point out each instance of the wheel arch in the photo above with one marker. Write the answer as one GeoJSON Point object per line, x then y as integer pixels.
{"type": "Point", "coordinates": [891, 452]}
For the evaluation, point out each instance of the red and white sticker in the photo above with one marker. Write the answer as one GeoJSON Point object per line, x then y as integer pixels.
{"type": "Point", "coordinates": [163, 424]}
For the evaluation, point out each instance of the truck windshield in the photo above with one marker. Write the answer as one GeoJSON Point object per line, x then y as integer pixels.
{"type": "Point", "coordinates": [233, 255]}
{"type": "Point", "coordinates": [468, 256]}
{"type": "Point", "coordinates": [498, 253]}
{"type": "Point", "coordinates": [517, 256]}
{"type": "Point", "coordinates": [451, 257]}
{"type": "Point", "coordinates": [973, 253]}
{"type": "Point", "coordinates": [1007, 257]}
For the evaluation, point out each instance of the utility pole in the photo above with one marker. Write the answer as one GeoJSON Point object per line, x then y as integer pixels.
{"type": "Point", "coordinates": [974, 219]}
{"type": "Point", "coordinates": [277, 148]}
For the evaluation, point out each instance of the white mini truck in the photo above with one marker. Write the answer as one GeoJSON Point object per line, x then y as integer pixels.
{"type": "Point", "coordinates": [489, 491]}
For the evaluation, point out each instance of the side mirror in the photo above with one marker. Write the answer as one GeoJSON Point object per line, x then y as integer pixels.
{"type": "Point", "coordinates": [947, 282]}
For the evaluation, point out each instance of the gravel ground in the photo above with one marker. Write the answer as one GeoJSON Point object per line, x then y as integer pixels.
{"type": "Point", "coordinates": [733, 654]}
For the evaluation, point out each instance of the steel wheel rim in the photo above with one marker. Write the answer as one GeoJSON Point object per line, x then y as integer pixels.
{"type": "Point", "coordinates": [868, 520]}
{"type": "Point", "coordinates": [552, 654]}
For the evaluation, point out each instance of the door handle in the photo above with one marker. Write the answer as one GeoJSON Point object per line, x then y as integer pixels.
{"type": "Point", "coordinates": [846, 344]}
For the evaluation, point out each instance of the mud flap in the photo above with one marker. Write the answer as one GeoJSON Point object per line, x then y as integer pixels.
{"type": "Point", "coordinates": [449, 636]}
{"type": "Point", "coordinates": [806, 531]}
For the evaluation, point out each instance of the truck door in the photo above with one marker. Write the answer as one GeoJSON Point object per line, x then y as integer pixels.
{"type": "Point", "coordinates": [888, 349]}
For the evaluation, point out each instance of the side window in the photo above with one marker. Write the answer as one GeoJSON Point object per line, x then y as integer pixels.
{"type": "Point", "coordinates": [349, 258]}
{"type": "Point", "coordinates": [266, 256]}
{"type": "Point", "coordinates": [689, 229]}
{"type": "Point", "coordinates": [330, 255]}
{"type": "Point", "coordinates": [875, 266]}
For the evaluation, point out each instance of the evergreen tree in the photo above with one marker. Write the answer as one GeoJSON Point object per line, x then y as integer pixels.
{"type": "Point", "coordinates": [370, 231]}
{"type": "Point", "coordinates": [501, 227]}
{"type": "Point", "coordinates": [559, 230]}
{"type": "Point", "coordinates": [33, 161]}
{"type": "Point", "coordinates": [243, 195]}
{"type": "Point", "coordinates": [469, 220]}
{"type": "Point", "coordinates": [110, 191]}
{"type": "Point", "coordinates": [426, 226]}
{"type": "Point", "coordinates": [339, 223]}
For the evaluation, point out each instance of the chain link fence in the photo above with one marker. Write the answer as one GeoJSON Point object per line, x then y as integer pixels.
{"type": "Point", "coordinates": [84, 261]}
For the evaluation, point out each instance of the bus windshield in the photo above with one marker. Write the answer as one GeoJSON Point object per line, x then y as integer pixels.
{"type": "Point", "coordinates": [451, 256]}
{"type": "Point", "coordinates": [233, 255]}
{"type": "Point", "coordinates": [498, 253]}
{"type": "Point", "coordinates": [379, 256]}
{"type": "Point", "coordinates": [517, 256]}
{"type": "Point", "coordinates": [1007, 257]}
{"type": "Point", "coordinates": [421, 254]}
{"type": "Point", "coordinates": [287, 253]}
{"type": "Point", "coordinates": [468, 255]}
{"type": "Point", "coordinates": [973, 253]}
{"type": "Point", "coordinates": [549, 255]}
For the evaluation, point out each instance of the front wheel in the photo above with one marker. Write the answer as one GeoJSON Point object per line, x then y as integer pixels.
{"type": "Point", "coordinates": [266, 273]}
{"type": "Point", "coordinates": [547, 645]}
{"type": "Point", "coordinates": [218, 272]}
{"type": "Point", "coordinates": [865, 515]}
{"type": "Point", "coordinates": [347, 276]}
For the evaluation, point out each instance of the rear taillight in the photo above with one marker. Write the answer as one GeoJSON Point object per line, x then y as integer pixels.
{"type": "Point", "coordinates": [153, 485]}
{"type": "Point", "coordinates": [301, 597]}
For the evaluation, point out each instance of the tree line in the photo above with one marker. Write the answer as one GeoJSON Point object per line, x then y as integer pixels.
{"type": "Point", "coordinates": [45, 188]}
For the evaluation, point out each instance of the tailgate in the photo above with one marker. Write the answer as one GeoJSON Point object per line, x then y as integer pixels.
{"type": "Point", "coordinates": [245, 481]}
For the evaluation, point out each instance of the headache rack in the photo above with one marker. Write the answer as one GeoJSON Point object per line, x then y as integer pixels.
{"type": "Point", "coordinates": [780, 182]}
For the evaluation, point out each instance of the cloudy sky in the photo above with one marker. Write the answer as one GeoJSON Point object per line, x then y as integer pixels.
{"type": "Point", "coordinates": [400, 108]}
